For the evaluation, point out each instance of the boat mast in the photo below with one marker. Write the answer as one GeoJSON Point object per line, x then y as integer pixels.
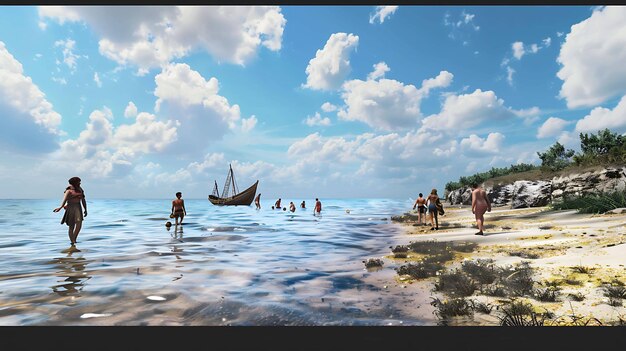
{"type": "Point", "coordinates": [215, 191]}
{"type": "Point", "coordinates": [232, 175]}
{"type": "Point", "coordinates": [226, 190]}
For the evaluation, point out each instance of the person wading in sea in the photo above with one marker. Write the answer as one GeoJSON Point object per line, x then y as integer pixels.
{"type": "Point", "coordinates": [480, 204]}
{"type": "Point", "coordinates": [292, 207]}
{"type": "Point", "coordinates": [277, 204]}
{"type": "Point", "coordinates": [257, 201]}
{"type": "Point", "coordinates": [74, 195]}
{"type": "Point", "coordinates": [318, 207]}
{"type": "Point", "coordinates": [178, 208]}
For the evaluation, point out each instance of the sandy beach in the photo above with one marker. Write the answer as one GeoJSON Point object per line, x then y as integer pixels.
{"type": "Point", "coordinates": [574, 254]}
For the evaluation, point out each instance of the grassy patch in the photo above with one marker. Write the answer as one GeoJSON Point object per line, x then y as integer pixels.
{"type": "Point", "coordinates": [456, 283]}
{"type": "Point", "coordinates": [582, 269]}
{"type": "Point", "coordinates": [614, 291]}
{"type": "Point", "coordinates": [576, 297]}
{"type": "Point", "coordinates": [450, 308]}
{"type": "Point", "coordinates": [524, 254]}
{"type": "Point", "coordinates": [549, 294]}
{"type": "Point", "coordinates": [599, 203]}
{"type": "Point", "coordinates": [520, 314]}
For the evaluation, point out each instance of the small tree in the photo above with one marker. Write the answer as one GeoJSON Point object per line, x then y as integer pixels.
{"type": "Point", "coordinates": [556, 157]}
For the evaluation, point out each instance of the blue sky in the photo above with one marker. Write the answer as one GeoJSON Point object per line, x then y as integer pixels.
{"type": "Point", "coordinates": [314, 101]}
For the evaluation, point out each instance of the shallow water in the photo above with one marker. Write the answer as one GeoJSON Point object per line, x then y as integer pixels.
{"type": "Point", "coordinates": [224, 266]}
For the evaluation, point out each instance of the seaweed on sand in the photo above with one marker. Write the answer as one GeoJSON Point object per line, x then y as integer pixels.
{"type": "Point", "coordinates": [456, 283]}
{"type": "Point", "coordinates": [481, 307]}
{"type": "Point", "coordinates": [577, 297]}
{"type": "Point", "coordinates": [549, 294]}
{"type": "Point", "coordinates": [450, 308]}
{"type": "Point", "coordinates": [434, 247]}
{"type": "Point", "coordinates": [423, 269]}
{"type": "Point", "coordinates": [614, 291]}
{"type": "Point", "coordinates": [520, 314]}
{"type": "Point", "coordinates": [373, 262]}
{"type": "Point", "coordinates": [524, 254]}
{"type": "Point", "coordinates": [482, 270]}
{"type": "Point", "coordinates": [581, 269]}
{"type": "Point", "coordinates": [518, 280]}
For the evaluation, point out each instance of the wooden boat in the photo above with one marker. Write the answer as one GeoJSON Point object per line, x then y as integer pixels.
{"type": "Point", "coordinates": [237, 198]}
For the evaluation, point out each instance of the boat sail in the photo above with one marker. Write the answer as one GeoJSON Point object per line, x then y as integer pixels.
{"type": "Point", "coordinates": [235, 198]}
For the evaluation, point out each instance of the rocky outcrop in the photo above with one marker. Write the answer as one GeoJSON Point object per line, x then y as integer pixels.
{"type": "Point", "coordinates": [531, 194]}
{"type": "Point", "coordinates": [524, 193]}
{"type": "Point", "coordinates": [606, 180]}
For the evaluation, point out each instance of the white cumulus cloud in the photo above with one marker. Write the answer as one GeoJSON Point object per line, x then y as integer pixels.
{"type": "Point", "coordinates": [317, 120]}
{"type": "Point", "coordinates": [551, 127]}
{"type": "Point", "coordinates": [379, 71]}
{"type": "Point", "coordinates": [152, 36]}
{"type": "Point", "coordinates": [328, 107]}
{"type": "Point", "coordinates": [489, 145]}
{"type": "Point", "coordinates": [331, 65]}
{"type": "Point", "coordinates": [600, 118]}
{"type": "Point", "coordinates": [26, 113]}
{"type": "Point", "coordinates": [131, 110]}
{"type": "Point", "coordinates": [592, 59]}
{"type": "Point", "coordinates": [387, 104]}
{"type": "Point", "coordinates": [382, 12]}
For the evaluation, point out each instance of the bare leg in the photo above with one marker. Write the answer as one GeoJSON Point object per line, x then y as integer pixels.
{"type": "Point", "coordinates": [481, 222]}
{"type": "Point", "coordinates": [432, 220]}
{"type": "Point", "coordinates": [77, 229]}
{"type": "Point", "coordinates": [176, 220]}
{"type": "Point", "coordinates": [70, 233]}
{"type": "Point", "coordinates": [181, 219]}
{"type": "Point", "coordinates": [436, 221]}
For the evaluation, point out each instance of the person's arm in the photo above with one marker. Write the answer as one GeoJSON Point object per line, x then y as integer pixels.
{"type": "Point", "coordinates": [473, 201]}
{"type": "Point", "coordinates": [84, 201]}
{"type": "Point", "coordinates": [488, 202]}
{"type": "Point", "coordinates": [184, 210]}
{"type": "Point", "coordinates": [415, 204]}
{"type": "Point", "coordinates": [65, 196]}
{"type": "Point", "coordinates": [172, 207]}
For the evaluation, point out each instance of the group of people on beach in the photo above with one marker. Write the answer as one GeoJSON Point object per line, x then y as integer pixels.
{"type": "Point", "coordinates": [432, 205]}
{"type": "Point", "coordinates": [317, 210]}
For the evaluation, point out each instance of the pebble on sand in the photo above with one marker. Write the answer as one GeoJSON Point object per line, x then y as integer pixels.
{"type": "Point", "coordinates": [94, 315]}
{"type": "Point", "coordinates": [156, 298]}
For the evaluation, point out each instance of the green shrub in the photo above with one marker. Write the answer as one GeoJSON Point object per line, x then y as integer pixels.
{"type": "Point", "coordinates": [592, 203]}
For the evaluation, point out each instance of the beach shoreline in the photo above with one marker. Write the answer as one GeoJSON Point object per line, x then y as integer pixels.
{"type": "Point", "coordinates": [569, 253]}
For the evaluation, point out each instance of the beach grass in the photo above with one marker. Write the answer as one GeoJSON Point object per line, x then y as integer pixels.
{"type": "Point", "coordinates": [600, 203]}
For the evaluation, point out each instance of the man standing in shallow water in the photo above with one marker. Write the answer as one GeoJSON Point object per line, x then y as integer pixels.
{"type": "Point", "coordinates": [318, 207]}
{"type": "Point", "coordinates": [178, 208]}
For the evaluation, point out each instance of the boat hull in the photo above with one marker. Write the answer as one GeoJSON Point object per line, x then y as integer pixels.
{"type": "Point", "coordinates": [244, 198]}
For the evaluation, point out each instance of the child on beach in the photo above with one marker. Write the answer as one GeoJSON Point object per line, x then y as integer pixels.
{"type": "Point", "coordinates": [178, 208]}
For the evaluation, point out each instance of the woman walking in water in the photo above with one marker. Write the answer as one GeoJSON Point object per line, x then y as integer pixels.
{"type": "Point", "coordinates": [73, 217]}
{"type": "Point", "coordinates": [421, 209]}
{"type": "Point", "coordinates": [480, 204]}
{"type": "Point", "coordinates": [178, 208]}
{"type": "Point", "coordinates": [431, 200]}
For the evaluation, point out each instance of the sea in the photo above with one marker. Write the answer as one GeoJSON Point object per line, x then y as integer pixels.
{"type": "Point", "coordinates": [225, 266]}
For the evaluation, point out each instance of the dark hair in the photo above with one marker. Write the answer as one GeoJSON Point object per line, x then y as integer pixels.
{"type": "Point", "coordinates": [316, 199]}
{"type": "Point", "coordinates": [421, 194]}
{"type": "Point", "coordinates": [179, 193]}
{"type": "Point", "coordinates": [474, 185]}
{"type": "Point", "coordinates": [75, 181]}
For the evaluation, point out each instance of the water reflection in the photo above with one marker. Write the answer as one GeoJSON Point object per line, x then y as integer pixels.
{"type": "Point", "coordinates": [72, 268]}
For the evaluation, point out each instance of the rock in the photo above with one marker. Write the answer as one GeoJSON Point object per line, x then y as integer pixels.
{"type": "Point", "coordinates": [531, 194]}
{"type": "Point", "coordinates": [373, 262]}
{"type": "Point", "coordinates": [407, 217]}
{"type": "Point", "coordinates": [500, 195]}
{"type": "Point", "coordinates": [462, 196]}
{"type": "Point", "coordinates": [606, 180]}
{"type": "Point", "coordinates": [620, 210]}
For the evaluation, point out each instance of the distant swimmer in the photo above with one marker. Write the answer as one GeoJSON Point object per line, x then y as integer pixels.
{"type": "Point", "coordinates": [178, 208]}
{"type": "Point", "coordinates": [302, 205]}
{"type": "Point", "coordinates": [277, 204]}
{"type": "Point", "coordinates": [318, 207]}
{"type": "Point", "coordinates": [292, 207]}
{"type": "Point", "coordinates": [257, 201]}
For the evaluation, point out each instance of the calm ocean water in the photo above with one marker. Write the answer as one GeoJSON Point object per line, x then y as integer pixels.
{"type": "Point", "coordinates": [226, 266]}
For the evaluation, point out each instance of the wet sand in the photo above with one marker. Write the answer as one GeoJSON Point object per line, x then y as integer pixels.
{"type": "Point", "coordinates": [555, 243]}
